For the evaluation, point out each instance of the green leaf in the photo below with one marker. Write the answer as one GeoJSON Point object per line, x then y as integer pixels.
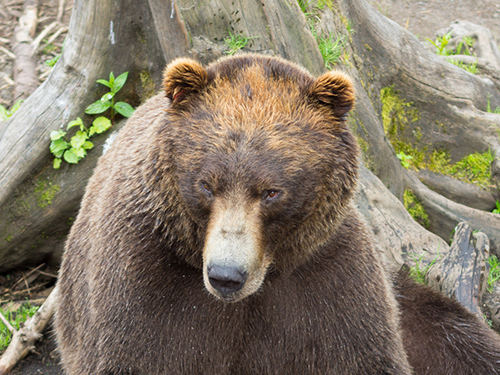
{"type": "Point", "coordinates": [80, 152]}
{"type": "Point", "coordinates": [53, 61]}
{"type": "Point", "coordinates": [57, 134]}
{"type": "Point", "coordinates": [71, 157]}
{"type": "Point", "coordinates": [97, 107]}
{"type": "Point", "coordinates": [15, 107]}
{"type": "Point", "coordinates": [119, 82]}
{"type": "Point", "coordinates": [107, 97]}
{"type": "Point", "coordinates": [79, 139]}
{"type": "Point", "coordinates": [88, 145]}
{"type": "Point", "coordinates": [124, 109]}
{"type": "Point", "coordinates": [77, 122]}
{"type": "Point", "coordinates": [111, 79]}
{"type": "Point", "coordinates": [100, 125]}
{"type": "Point", "coordinates": [57, 163]}
{"type": "Point", "coordinates": [104, 82]}
{"type": "Point", "coordinates": [58, 145]}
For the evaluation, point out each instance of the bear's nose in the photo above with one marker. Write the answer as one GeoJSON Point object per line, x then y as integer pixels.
{"type": "Point", "coordinates": [226, 279]}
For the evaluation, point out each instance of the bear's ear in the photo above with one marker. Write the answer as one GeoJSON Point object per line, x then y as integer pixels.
{"type": "Point", "coordinates": [183, 77]}
{"type": "Point", "coordinates": [335, 90]}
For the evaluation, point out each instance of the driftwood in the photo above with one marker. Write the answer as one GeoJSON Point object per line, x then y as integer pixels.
{"type": "Point", "coordinates": [487, 54]}
{"type": "Point", "coordinates": [24, 339]}
{"type": "Point", "coordinates": [25, 77]}
{"type": "Point", "coordinates": [458, 191]}
{"type": "Point", "coordinates": [492, 303]}
{"type": "Point", "coordinates": [462, 272]}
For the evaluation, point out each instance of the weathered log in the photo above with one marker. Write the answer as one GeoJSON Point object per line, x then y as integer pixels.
{"type": "Point", "coordinates": [458, 191]}
{"type": "Point", "coordinates": [34, 223]}
{"type": "Point", "coordinates": [23, 340]}
{"type": "Point", "coordinates": [25, 77]}
{"type": "Point", "coordinates": [492, 303]}
{"type": "Point", "coordinates": [450, 106]}
{"type": "Point", "coordinates": [397, 234]}
{"type": "Point", "coordinates": [462, 272]}
{"type": "Point", "coordinates": [444, 214]}
{"type": "Point", "coordinates": [484, 47]}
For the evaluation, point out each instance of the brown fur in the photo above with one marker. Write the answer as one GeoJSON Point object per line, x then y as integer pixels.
{"type": "Point", "coordinates": [187, 183]}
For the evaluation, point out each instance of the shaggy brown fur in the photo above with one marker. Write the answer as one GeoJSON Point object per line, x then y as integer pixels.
{"type": "Point", "coordinates": [217, 236]}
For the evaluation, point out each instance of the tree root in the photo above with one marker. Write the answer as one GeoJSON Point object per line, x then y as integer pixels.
{"type": "Point", "coordinates": [25, 77]}
{"type": "Point", "coordinates": [458, 191]}
{"type": "Point", "coordinates": [462, 273]}
{"type": "Point", "coordinates": [24, 339]}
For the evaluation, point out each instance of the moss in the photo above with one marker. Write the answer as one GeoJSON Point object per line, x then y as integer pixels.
{"type": "Point", "coordinates": [45, 192]}
{"type": "Point", "coordinates": [147, 86]}
{"type": "Point", "coordinates": [8, 238]}
{"type": "Point", "coordinates": [415, 208]}
{"type": "Point", "coordinates": [397, 114]}
{"type": "Point", "coordinates": [367, 46]}
{"type": "Point", "coordinates": [418, 134]}
{"type": "Point", "coordinates": [442, 126]}
{"type": "Point", "coordinates": [473, 168]}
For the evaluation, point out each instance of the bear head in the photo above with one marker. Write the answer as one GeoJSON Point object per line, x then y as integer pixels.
{"type": "Point", "coordinates": [264, 164]}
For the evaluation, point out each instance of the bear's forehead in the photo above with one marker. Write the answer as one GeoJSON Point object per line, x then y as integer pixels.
{"type": "Point", "coordinates": [252, 100]}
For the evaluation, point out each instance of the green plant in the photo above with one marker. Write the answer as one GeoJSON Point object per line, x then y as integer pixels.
{"type": "Point", "coordinates": [404, 159]}
{"type": "Point", "coordinates": [463, 48]}
{"type": "Point", "coordinates": [488, 107]}
{"type": "Point", "coordinates": [235, 42]}
{"type": "Point", "coordinates": [415, 208]}
{"type": "Point", "coordinates": [494, 274]}
{"type": "Point", "coordinates": [331, 49]}
{"type": "Point", "coordinates": [497, 210]}
{"type": "Point", "coordinates": [473, 168]}
{"type": "Point", "coordinates": [304, 5]}
{"type": "Point", "coordinates": [440, 43]}
{"type": "Point", "coordinates": [15, 318]}
{"type": "Point", "coordinates": [5, 114]}
{"type": "Point", "coordinates": [75, 149]}
{"type": "Point", "coordinates": [107, 101]}
{"type": "Point", "coordinates": [417, 272]}
{"type": "Point", "coordinates": [53, 60]}
{"type": "Point", "coordinates": [471, 68]}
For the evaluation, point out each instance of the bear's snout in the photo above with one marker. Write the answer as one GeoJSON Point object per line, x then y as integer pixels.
{"type": "Point", "coordinates": [226, 279]}
{"type": "Point", "coordinates": [234, 260]}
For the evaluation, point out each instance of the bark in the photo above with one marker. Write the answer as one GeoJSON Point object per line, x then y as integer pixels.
{"type": "Point", "coordinates": [24, 340]}
{"type": "Point", "coordinates": [450, 105]}
{"type": "Point", "coordinates": [458, 191]}
{"type": "Point", "coordinates": [462, 273]}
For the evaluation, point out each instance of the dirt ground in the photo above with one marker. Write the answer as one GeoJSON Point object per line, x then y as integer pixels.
{"type": "Point", "coordinates": [422, 18]}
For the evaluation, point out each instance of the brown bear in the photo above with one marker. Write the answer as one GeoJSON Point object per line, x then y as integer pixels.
{"type": "Point", "coordinates": [218, 236]}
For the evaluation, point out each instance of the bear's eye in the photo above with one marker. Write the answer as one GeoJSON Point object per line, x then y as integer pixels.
{"type": "Point", "coordinates": [206, 187]}
{"type": "Point", "coordinates": [270, 195]}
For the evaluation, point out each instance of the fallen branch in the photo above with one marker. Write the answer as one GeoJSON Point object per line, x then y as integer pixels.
{"type": "Point", "coordinates": [458, 191]}
{"type": "Point", "coordinates": [46, 31]}
{"type": "Point", "coordinates": [60, 11]}
{"type": "Point", "coordinates": [23, 340]}
{"type": "Point", "coordinates": [53, 37]}
{"type": "Point", "coordinates": [25, 77]}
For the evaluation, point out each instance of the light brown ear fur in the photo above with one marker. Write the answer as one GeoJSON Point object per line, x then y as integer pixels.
{"type": "Point", "coordinates": [183, 77]}
{"type": "Point", "coordinates": [336, 90]}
